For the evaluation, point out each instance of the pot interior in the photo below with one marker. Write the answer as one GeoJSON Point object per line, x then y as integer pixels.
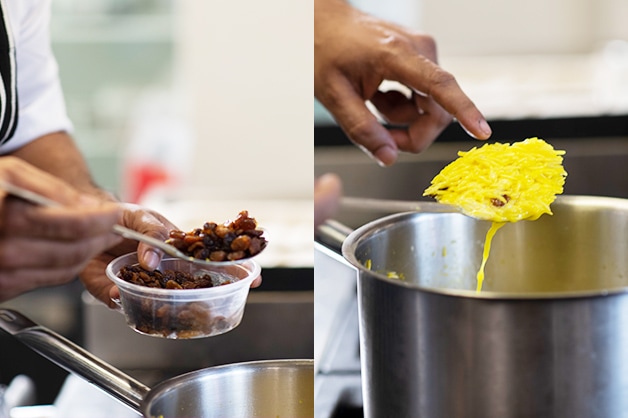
{"type": "Point", "coordinates": [582, 247]}
{"type": "Point", "coordinates": [274, 388]}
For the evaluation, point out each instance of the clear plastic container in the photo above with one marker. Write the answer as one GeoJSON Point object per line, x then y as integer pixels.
{"type": "Point", "coordinates": [186, 313]}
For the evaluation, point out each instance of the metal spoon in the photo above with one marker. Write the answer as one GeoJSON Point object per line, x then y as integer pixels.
{"type": "Point", "coordinates": [171, 250]}
{"type": "Point", "coordinates": [393, 206]}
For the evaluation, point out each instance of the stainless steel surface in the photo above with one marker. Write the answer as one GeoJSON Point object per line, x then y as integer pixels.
{"type": "Point", "coordinates": [336, 330]}
{"type": "Point", "coordinates": [254, 389]}
{"type": "Point", "coordinates": [274, 388]}
{"type": "Point", "coordinates": [338, 387]}
{"type": "Point", "coordinates": [352, 203]}
{"type": "Point", "coordinates": [547, 337]}
{"type": "Point", "coordinates": [40, 200]}
{"type": "Point", "coordinates": [73, 358]}
{"type": "Point", "coordinates": [338, 395]}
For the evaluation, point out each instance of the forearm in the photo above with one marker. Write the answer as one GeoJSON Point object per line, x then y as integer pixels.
{"type": "Point", "coordinates": [57, 153]}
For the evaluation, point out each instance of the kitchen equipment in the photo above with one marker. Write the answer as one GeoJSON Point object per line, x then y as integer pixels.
{"type": "Point", "coordinates": [353, 203]}
{"type": "Point", "coordinates": [547, 336]}
{"type": "Point", "coordinates": [171, 250]}
{"type": "Point", "coordinates": [270, 388]}
{"type": "Point", "coordinates": [185, 313]}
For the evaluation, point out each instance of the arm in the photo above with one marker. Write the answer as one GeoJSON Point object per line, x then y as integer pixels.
{"type": "Point", "coordinates": [42, 246]}
{"type": "Point", "coordinates": [57, 154]}
{"type": "Point", "coordinates": [354, 53]}
{"type": "Point", "coordinates": [55, 245]}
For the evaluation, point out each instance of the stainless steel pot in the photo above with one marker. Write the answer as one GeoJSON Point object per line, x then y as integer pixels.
{"type": "Point", "coordinates": [273, 388]}
{"type": "Point", "coordinates": [547, 336]}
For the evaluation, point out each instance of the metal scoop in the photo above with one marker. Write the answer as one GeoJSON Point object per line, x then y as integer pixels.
{"type": "Point", "coordinates": [40, 200]}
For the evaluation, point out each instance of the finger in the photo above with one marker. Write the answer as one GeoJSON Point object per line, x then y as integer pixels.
{"type": "Point", "coordinates": [327, 192]}
{"type": "Point", "coordinates": [18, 281]}
{"type": "Point", "coordinates": [25, 253]}
{"type": "Point", "coordinates": [97, 283]}
{"type": "Point", "coordinates": [59, 223]}
{"type": "Point", "coordinates": [24, 175]}
{"type": "Point", "coordinates": [114, 294]}
{"type": "Point", "coordinates": [427, 126]}
{"type": "Point", "coordinates": [149, 257]}
{"type": "Point", "coordinates": [422, 44]}
{"type": "Point", "coordinates": [360, 125]}
{"type": "Point", "coordinates": [423, 75]}
{"type": "Point", "coordinates": [257, 282]}
{"type": "Point", "coordinates": [145, 222]}
{"type": "Point", "coordinates": [395, 107]}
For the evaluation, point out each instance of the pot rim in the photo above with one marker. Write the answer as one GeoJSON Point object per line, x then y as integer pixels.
{"type": "Point", "coordinates": [162, 388]}
{"type": "Point", "coordinates": [352, 241]}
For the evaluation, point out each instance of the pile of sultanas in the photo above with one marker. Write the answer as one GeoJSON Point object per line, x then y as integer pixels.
{"type": "Point", "coordinates": [221, 242]}
{"type": "Point", "coordinates": [168, 279]}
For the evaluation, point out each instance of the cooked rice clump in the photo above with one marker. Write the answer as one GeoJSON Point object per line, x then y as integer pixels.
{"type": "Point", "coordinates": [502, 182]}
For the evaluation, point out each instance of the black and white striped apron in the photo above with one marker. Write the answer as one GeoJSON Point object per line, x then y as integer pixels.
{"type": "Point", "coordinates": [8, 78]}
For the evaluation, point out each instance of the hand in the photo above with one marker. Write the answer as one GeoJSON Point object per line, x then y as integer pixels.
{"type": "Point", "coordinates": [144, 221]}
{"type": "Point", "coordinates": [354, 53]}
{"type": "Point", "coordinates": [139, 219]}
{"type": "Point", "coordinates": [327, 192]}
{"type": "Point", "coordinates": [42, 246]}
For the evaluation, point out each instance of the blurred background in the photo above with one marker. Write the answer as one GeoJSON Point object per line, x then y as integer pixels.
{"type": "Point", "coordinates": [198, 110]}
{"type": "Point", "coordinates": [212, 95]}
{"type": "Point", "coordinates": [525, 59]}
{"type": "Point", "coordinates": [556, 69]}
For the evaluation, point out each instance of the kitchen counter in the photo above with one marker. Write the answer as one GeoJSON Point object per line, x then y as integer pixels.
{"type": "Point", "coordinates": [536, 86]}
{"type": "Point", "coordinates": [287, 223]}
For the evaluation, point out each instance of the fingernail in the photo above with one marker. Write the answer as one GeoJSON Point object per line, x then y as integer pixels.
{"type": "Point", "coordinates": [151, 259]}
{"type": "Point", "coordinates": [385, 156]}
{"type": "Point", "coordinates": [485, 128]}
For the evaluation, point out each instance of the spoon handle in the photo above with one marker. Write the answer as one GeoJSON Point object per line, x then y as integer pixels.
{"type": "Point", "coordinates": [40, 200]}
{"type": "Point", "coordinates": [27, 195]}
{"type": "Point", "coordinates": [387, 205]}
{"type": "Point", "coordinates": [146, 239]}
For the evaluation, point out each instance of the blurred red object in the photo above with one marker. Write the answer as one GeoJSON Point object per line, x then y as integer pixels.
{"type": "Point", "coordinates": [141, 178]}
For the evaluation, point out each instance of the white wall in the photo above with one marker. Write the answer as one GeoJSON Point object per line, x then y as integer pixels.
{"type": "Point", "coordinates": [247, 67]}
{"type": "Point", "coordinates": [511, 27]}
{"type": "Point", "coordinates": [492, 27]}
{"type": "Point", "coordinates": [522, 59]}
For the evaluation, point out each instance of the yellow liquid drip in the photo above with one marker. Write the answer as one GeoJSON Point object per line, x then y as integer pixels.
{"type": "Point", "coordinates": [501, 183]}
{"type": "Point", "coordinates": [487, 250]}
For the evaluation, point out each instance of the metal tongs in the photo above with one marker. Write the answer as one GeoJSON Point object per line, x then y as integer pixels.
{"type": "Point", "coordinates": [393, 206]}
{"type": "Point", "coordinates": [171, 250]}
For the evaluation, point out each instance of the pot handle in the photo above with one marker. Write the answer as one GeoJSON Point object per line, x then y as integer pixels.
{"type": "Point", "coordinates": [332, 234]}
{"type": "Point", "coordinates": [73, 358]}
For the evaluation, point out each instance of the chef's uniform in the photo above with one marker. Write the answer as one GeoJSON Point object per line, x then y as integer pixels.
{"type": "Point", "coordinates": [31, 99]}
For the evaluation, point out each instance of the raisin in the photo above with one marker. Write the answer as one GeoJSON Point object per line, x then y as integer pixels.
{"type": "Point", "coordinates": [219, 242]}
